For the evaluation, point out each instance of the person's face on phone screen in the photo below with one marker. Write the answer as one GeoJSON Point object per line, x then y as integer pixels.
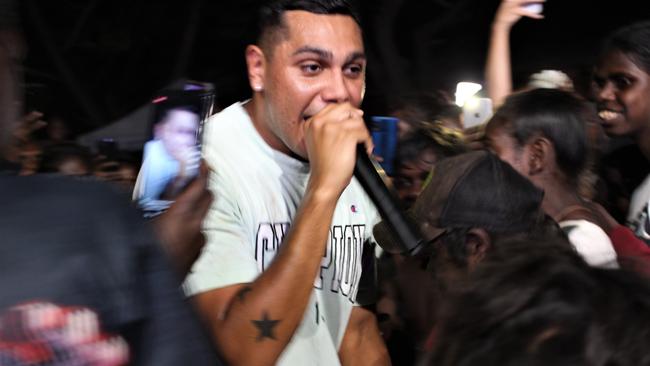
{"type": "Point", "coordinates": [178, 132]}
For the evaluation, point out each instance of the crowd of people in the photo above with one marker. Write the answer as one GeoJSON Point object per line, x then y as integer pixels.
{"type": "Point", "coordinates": [41, 145]}
{"type": "Point", "coordinates": [535, 238]}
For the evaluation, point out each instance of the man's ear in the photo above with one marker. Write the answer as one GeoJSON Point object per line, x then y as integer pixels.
{"type": "Point", "coordinates": [478, 243]}
{"type": "Point", "coordinates": [540, 154]}
{"type": "Point", "coordinates": [256, 65]}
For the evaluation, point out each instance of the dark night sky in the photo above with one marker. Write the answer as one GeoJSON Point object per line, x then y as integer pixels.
{"type": "Point", "coordinates": [92, 61]}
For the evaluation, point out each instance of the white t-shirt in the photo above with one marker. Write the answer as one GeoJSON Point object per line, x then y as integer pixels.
{"type": "Point", "coordinates": [257, 193]}
{"type": "Point", "coordinates": [638, 218]}
{"type": "Point", "coordinates": [591, 242]}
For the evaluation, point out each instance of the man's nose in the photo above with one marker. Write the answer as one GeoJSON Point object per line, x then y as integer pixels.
{"type": "Point", "coordinates": [336, 90]}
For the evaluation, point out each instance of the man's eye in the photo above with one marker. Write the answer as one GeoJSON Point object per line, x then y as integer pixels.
{"type": "Point", "coordinates": [310, 68]}
{"type": "Point", "coordinates": [354, 70]}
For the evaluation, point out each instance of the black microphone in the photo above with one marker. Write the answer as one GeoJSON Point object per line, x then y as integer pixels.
{"type": "Point", "coordinates": [403, 229]}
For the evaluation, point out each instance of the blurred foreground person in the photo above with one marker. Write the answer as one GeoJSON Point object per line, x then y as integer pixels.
{"type": "Point", "coordinates": [539, 307]}
{"type": "Point", "coordinates": [83, 281]}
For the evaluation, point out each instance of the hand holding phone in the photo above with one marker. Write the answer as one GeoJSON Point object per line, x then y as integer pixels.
{"type": "Point", "coordinates": [171, 158]}
{"type": "Point", "coordinates": [511, 11]}
{"type": "Point", "coordinates": [179, 228]}
{"type": "Point", "coordinates": [535, 8]}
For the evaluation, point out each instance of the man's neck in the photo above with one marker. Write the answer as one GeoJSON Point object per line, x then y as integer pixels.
{"type": "Point", "coordinates": [257, 114]}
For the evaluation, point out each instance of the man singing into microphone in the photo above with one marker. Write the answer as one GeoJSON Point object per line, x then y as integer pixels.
{"type": "Point", "coordinates": [279, 277]}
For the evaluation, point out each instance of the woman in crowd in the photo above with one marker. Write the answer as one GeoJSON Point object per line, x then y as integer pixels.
{"type": "Point", "coordinates": [542, 134]}
{"type": "Point", "coordinates": [622, 90]}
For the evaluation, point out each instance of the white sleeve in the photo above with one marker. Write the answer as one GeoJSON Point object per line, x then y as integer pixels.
{"type": "Point", "coordinates": [227, 257]}
{"type": "Point", "coordinates": [639, 199]}
{"type": "Point", "coordinates": [591, 242]}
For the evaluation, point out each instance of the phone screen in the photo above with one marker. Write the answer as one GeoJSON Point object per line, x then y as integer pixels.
{"type": "Point", "coordinates": [171, 156]}
{"type": "Point", "coordinates": [536, 8]}
{"type": "Point", "coordinates": [384, 136]}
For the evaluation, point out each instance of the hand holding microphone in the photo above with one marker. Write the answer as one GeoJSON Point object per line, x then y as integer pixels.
{"type": "Point", "coordinates": [338, 144]}
{"type": "Point", "coordinates": [331, 138]}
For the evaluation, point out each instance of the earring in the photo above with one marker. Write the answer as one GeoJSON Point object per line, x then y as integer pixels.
{"type": "Point", "coordinates": [257, 88]}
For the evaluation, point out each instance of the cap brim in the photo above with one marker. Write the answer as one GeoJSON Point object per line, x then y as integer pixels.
{"type": "Point", "coordinates": [389, 242]}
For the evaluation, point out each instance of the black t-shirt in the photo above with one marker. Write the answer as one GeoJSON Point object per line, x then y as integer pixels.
{"type": "Point", "coordinates": [67, 245]}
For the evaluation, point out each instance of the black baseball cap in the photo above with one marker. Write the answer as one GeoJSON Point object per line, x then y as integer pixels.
{"type": "Point", "coordinates": [475, 189]}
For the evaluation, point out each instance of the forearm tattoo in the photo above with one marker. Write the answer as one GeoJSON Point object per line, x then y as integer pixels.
{"type": "Point", "coordinates": [265, 327]}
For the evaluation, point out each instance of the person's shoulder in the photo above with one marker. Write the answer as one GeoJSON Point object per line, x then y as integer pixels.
{"type": "Point", "coordinates": [591, 242]}
{"type": "Point", "coordinates": [582, 226]}
{"type": "Point", "coordinates": [61, 191]}
{"type": "Point", "coordinates": [227, 118]}
{"type": "Point", "coordinates": [586, 233]}
{"type": "Point", "coordinates": [227, 131]}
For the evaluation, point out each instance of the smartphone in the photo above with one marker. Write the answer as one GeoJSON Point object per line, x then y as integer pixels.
{"type": "Point", "coordinates": [171, 157]}
{"type": "Point", "coordinates": [536, 8]}
{"type": "Point", "coordinates": [383, 130]}
{"type": "Point", "coordinates": [476, 112]}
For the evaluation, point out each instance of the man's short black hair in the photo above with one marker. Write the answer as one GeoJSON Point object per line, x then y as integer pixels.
{"type": "Point", "coordinates": [271, 16]}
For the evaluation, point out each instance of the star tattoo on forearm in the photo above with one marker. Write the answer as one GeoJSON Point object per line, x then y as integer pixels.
{"type": "Point", "coordinates": [265, 327]}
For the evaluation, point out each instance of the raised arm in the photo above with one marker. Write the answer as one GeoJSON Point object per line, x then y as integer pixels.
{"type": "Point", "coordinates": [498, 71]}
{"type": "Point", "coordinates": [253, 323]}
